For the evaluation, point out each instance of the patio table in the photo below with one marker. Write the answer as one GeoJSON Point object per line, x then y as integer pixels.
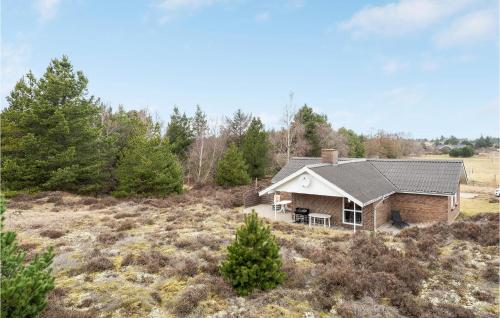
{"type": "Point", "coordinates": [315, 216]}
{"type": "Point", "coordinates": [282, 204]}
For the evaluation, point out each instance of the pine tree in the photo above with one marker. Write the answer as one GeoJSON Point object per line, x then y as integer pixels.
{"type": "Point", "coordinates": [354, 142]}
{"type": "Point", "coordinates": [51, 134]}
{"type": "Point", "coordinates": [24, 285]}
{"type": "Point", "coordinates": [148, 167]}
{"type": "Point", "coordinates": [232, 169]}
{"type": "Point", "coordinates": [253, 260]}
{"type": "Point", "coordinates": [200, 129]}
{"type": "Point", "coordinates": [237, 126]}
{"type": "Point", "coordinates": [255, 149]}
{"type": "Point", "coordinates": [311, 120]}
{"type": "Point", "coordinates": [179, 133]}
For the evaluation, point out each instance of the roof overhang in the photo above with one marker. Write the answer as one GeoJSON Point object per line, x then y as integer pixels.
{"type": "Point", "coordinates": [330, 188]}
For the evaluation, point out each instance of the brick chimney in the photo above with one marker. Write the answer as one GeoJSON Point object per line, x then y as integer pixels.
{"type": "Point", "coordinates": [329, 156]}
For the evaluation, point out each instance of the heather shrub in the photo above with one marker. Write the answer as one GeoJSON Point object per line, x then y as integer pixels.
{"type": "Point", "coordinates": [187, 300]}
{"type": "Point", "coordinates": [366, 307]}
{"type": "Point", "coordinates": [152, 260]}
{"type": "Point", "coordinates": [108, 238]}
{"type": "Point", "coordinates": [295, 275]}
{"type": "Point", "coordinates": [122, 215]}
{"type": "Point", "coordinates": [491, 272]}
{"type": "Point", "coordinates": [98, 264]}
{"type": "Point", "coordinates": [24, 284]}
{"type": "Point", "coordinates": [253, 260]}
{"type": "Point", "coordinates": [126, 225]}
{"type": "Point", "coordinates": [53, 234]}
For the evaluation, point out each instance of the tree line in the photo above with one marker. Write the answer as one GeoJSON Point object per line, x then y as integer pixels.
{"type": "Point", "coordinates": [478, 143]}
{"type": "Point", "coordinates": [56, 136]}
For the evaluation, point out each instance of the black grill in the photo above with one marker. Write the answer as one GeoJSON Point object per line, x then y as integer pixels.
{"type": "Point", "coordinates": [301, 215]}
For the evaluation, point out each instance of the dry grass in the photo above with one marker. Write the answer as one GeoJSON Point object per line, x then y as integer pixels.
{"type": "Point", "coordinates": [483, 170]}
{"type": "Point", "coordinates": [479, 204]}
{"type": "Point", "coordinates": [150, 262]}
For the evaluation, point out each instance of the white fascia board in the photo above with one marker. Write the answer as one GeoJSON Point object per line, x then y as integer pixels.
{"type": "Point", "coordinates": [383, 197]}
{"type": "Point", "coordinates": [317, 176]}
{"type": "Point", "coordinates": [427, 193]}
{"type": "Point", "coordinates": [284, 180]}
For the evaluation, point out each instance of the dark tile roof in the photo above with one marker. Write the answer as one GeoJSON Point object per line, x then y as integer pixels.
{"type": "Point", "coordinates": [293, 165]}
{"type": "Point", "coordinates": [296, 163]}
{"type": "Point", "coordinates": [367, 180]}
{"type": "Point", "coordinates": [360, 179]}
{"type": "Point", "coordinates": [421, 176]}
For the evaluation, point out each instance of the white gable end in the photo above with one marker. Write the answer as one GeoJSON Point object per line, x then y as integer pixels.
{"type": "Point", "coordinates": [307, 183]}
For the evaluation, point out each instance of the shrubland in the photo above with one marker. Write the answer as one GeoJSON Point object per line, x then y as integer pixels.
{"type": "Point", "coordinates": [161, 257]}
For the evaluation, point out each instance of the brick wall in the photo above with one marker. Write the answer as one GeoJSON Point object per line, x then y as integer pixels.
{"type": "Point", "coordinates": [414, 208]}
{"type": "Point", "coordinates": [418, 208]}
{"type": "Point", "coordinates": [320, 204]}
{"type": "Point", "coordinates": [332, 206]}
{"type": "Point", "coordinates": [384, 209]}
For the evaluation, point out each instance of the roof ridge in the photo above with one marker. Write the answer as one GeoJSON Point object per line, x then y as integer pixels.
{"type": "Point", "coordinates": [383, 175]}
{"type": "Point", "coordinates": [418, 160]}
{"type": "Point", "coordinates": [309, 158]}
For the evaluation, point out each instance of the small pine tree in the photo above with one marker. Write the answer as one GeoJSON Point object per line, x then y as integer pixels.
{"type": "Point", "coordinates": [24, 285]}
{"type": "Point", "coordinates": [253, 260]}
{"type": "Point", "coordinates": [232, 169]}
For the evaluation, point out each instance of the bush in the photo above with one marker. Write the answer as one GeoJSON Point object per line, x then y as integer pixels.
{"type": "Point", "coordinates": [98, 264]}
{"type": "Point", "coordinates": [492, 272]}
{"type": "Point", "coordinates": [53, 234]}
{"type": "Point", "coordinates": [232, 169]}
{"type": "Point", "coordinates": [189, 298]}
{"type": "Point", "coordinates": [253, 259]}
{"type": "Point", "coordinates": [24, 285]}
{"type": "Point", "coordinates": [463, 152]}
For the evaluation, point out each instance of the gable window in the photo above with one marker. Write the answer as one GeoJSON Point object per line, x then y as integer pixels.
{"type": "Point", "coordinates": [352, 213]}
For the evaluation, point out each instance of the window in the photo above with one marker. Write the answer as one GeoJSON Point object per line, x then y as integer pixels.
{"type": "Point", "coordinates": [352, 213]}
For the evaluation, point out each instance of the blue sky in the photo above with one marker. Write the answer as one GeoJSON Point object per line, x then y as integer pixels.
{"type": "Point", "coordinates": [422, 67]}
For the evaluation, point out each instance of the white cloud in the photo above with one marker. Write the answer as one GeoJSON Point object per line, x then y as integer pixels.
{"type": "Point", "coordinates": [402, 17]}
{"type": "Point", "coordinates": [296, 4]}
{"type": "Point", "coordinates": [47, 9]}
{"type": "Point", "coordinates": [14, 65]}
{"type": "Point", "coordinates": [394, 66]}
{"type": "Point", "coordinates": [263, 16]}
{"type": "Point", "coordinates": [470, 28]}
{"type": "Point", "coordinates": [173, 8]}
{"type": "Point", "coordinates": [174, 5]}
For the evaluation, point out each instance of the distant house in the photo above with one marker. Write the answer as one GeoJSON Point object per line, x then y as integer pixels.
{"type": "Point", "coordinates": [365, 191]}
{"type": "Point", "coordinates": [448, 148]}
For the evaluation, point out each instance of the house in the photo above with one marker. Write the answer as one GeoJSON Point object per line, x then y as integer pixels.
{"type": "Point", "coordinates": [448, 148]}
{"type": "Point", "coordinates": [363, 192]}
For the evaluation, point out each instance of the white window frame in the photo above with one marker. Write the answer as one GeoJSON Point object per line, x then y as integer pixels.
{"type": "Point", "coordinates": [351, 210]}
